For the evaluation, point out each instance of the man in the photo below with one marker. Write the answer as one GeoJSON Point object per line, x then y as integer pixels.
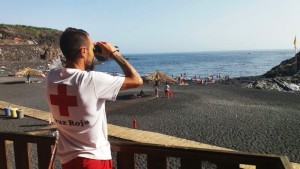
{"type": "Point", "coordinates": [156, 87]}
{"type": "Point", "coordinates": [76, 98]}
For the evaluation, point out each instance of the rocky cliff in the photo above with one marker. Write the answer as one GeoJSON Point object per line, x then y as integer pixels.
{"type": "Point", "coordinates": [26, 46]}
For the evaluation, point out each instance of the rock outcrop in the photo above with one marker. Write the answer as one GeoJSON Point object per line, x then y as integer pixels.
{"type": "Point", "coordinates": [277, 83]}
{"type": "Point", "coordinates": [25, 46]}
{"type": "Point", "coordinates": [285, 68]}
{"type": "Point", "coordinates": [283, 77]}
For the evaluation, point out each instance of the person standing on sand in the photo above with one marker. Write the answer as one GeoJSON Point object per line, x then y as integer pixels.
{"type": "Point", "coordinates": [156, 87]}
{"type": "Point", "coordinates": [168, 92]}
{"type": "Point", "coordinates": [76, 97]}
{"type": "Point", "coordinates": [181, 79]}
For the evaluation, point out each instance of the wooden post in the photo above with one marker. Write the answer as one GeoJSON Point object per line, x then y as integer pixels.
{"type": "Point", "coordinates": [125, 160]}
{"type": "Point", "coordinates": [3, 154]}
{"type": "Point", "coordinates": [156, 162]}
{"type": "Point", "coordinates": [21, 154]}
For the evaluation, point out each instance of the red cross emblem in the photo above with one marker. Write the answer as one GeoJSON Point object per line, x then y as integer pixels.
{"type": "Point", "coordinates": [63, 100]}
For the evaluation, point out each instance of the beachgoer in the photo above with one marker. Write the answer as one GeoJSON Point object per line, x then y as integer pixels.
{"type": "Point", "coordinates": [76, 96]}
{"type": "Point", "coordinates": [28, 77]}
{"type": "Point", "coordinates": [168, 92]}
{"type": "Point", "coordinates": [180, 79]}
{"type": "Point", "coordinates": [156, 87]}
{"type": "Point", "coordinates": [142, 94]}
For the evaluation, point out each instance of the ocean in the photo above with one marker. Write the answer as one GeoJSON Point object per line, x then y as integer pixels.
{"type": "Point", "coordinates": [203, 64]}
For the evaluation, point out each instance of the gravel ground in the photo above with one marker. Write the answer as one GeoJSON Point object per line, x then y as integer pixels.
{"type": "Point", "coordinates": [248, 120]}
{"type": "Point", "coordinates": [226, 115]}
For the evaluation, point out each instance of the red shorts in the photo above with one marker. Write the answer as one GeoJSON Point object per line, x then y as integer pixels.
{"type": "Point", "coordinates": [168, 91]}
{"type": "Point", "coordinates": [86, 163]}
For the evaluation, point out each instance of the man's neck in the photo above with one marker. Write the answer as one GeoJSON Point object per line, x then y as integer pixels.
{"type": "Point", "coordinates": [75, 65]}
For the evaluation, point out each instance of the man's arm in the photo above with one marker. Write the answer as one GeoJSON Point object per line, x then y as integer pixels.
{"type": "Point", "coordinates": [132, 78]}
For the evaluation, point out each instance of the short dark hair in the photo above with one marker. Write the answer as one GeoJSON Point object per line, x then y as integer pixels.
{"type": "Point", "coordinates": [71, 40]}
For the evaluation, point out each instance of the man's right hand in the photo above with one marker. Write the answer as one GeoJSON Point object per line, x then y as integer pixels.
{"type": "Point", "coordinates": [107, 49]}
{"type": "Point", "coordinates": [132, 78]}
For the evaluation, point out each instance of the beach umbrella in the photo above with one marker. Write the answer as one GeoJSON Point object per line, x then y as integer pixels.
{"type": "Point", "coordinates": [160, 76]}
{"type": "Point", "coordinates": [26, 72]}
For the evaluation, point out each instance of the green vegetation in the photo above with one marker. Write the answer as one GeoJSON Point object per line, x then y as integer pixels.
{"type": "Point", "coordinates": [39, 34]}
{"type": "Point", "coordinates": [33, 30]}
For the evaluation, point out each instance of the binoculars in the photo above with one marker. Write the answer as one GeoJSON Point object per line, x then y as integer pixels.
{"type": "Point", "coordinates": [97, 49]}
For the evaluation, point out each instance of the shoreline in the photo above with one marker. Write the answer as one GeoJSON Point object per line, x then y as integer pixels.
{"type": "Point", "coordinates": [226, 115]}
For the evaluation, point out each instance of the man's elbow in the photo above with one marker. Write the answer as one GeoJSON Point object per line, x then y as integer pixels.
{"type": "Point", "coordinates": [140, 82]}
{"type": "Point", "coordinates": [132, 83]}
{"type": "Point", "coordinates": [137, 82]}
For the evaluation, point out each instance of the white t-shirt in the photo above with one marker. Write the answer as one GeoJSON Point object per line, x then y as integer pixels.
{"type": "Point", "coordinates": [77, 100]}
{"type": "Point", "coordinates": [167, 87]}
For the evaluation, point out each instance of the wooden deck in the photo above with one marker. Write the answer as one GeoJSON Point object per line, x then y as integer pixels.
{"type": "Point", "coordinates": [129, 133]}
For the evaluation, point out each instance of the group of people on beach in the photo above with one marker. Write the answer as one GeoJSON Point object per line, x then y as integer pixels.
{"type": "Point", "coordinates": [167, 90]}
{"type": "Point", "coordinates": [181, 80]}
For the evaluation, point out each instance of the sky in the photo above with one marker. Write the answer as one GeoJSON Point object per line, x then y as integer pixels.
{"type": "Point", "coordinates": [161, 26]}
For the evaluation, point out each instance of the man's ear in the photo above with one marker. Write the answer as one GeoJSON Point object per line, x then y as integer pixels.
{"type": "Point", "coordinates": [83, 51]}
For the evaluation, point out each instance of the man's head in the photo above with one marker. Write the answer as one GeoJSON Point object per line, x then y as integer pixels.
{"type": "Point", "coordinates": [76, 45]}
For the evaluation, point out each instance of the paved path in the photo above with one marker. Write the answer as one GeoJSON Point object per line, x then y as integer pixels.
{"type": "Point", "coordinates": [126, 133]}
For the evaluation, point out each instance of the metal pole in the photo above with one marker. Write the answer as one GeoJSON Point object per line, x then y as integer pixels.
{"type": "Point", "coordinates": [296, 59]}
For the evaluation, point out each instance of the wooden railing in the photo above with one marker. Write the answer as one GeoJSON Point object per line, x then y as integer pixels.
{"type": "Point", "coordinates": [156, 155]}
{"type": "Point", "coordinates": [191, 158]}
{"type": "Point", "coordinates": [21, 150]}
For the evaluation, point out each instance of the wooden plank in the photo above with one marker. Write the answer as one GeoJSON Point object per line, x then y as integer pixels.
{"type": "Point", "coordinates": [265, 167]}
{"type": "Point", "coordinates": [21, 154]}
{"type": "Point", "coordinates": [155, 161]}
{"type": "Point", "coordinates": [125, 160]}
{"type": "Point", "coordinates": [285, 162]}
{"type": "Point", "coordinates": [44, 154]}
{"type": "Point", "coordinates": [269, 166]}
{"type": "Point", "coordinates": [187, 163]}
{"type": "Point", "coordinates": [228, 165]}
{"type": "Point", "coordinates": [3, 154]}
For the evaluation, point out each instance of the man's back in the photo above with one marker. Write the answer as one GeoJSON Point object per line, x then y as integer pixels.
{"type": "Point", "coordinates": [77, 101]}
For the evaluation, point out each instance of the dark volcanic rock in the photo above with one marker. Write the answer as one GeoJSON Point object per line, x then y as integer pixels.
{"type": "Point", "coordinates": [285, 68]}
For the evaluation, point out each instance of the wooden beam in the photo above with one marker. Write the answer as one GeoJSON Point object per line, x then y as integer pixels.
{"type": "Point", "coordinates": [156, 161]}
{"type": "Point", "coordinates": [21, 154]}
{"type": "Point", "coordinates": [44, 152]}
{"type": "Point", "coordinates": [125, 160]}
{"type": "Point", "coordinates": [187, 163]}
{"type": "Point", "coordinates": [3, 154]}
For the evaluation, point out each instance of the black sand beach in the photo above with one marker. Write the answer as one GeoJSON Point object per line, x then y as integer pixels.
{"type": "Point", "coordinates": [225, 115]}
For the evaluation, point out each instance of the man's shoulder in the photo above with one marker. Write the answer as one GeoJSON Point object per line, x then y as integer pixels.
{"type": "Point", "coordinates": [94, 73]}
{"type": "Point", "coordinates": [53, 71]}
